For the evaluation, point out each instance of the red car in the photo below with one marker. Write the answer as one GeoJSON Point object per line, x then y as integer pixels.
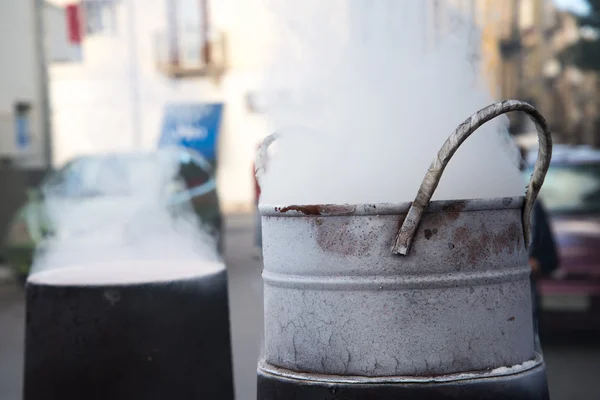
{"type": "Point", "coordinates": [570, 298]}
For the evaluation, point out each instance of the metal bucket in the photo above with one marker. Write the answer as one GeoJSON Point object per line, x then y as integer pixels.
{"type": "Point", "coordinates": [416, 290]}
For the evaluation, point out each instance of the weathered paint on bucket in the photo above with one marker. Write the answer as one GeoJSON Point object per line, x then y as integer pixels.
{"type": "Point", "coordinates": [337, 301]}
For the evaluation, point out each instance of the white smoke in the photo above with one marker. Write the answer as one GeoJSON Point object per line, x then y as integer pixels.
{"type": "Point", "coordinates": [118, 210]}
{"type": "Point", "coordinates": [367, 96]}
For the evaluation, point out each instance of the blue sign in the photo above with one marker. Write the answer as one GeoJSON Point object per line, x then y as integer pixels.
{"type": "Point", "coordinates": [195, 126]}
{"type": "Point", "coordinates": [22, 126]}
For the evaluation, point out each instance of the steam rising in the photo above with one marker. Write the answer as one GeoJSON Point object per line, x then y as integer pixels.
{"type": "Point", "coordinates": [368, 93]}
{"type": "Point", "coordinates": [118, 210]}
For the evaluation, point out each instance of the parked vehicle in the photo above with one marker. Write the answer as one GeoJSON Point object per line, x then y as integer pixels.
{"type": "Point", "coordinates": [90, 186]}
{"type": "Point", "coordinates": [570, 298]}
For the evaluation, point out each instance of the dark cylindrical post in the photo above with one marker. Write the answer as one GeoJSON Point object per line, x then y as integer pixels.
{"type": "Point", "coordinates": [278, 384]}
{"type": "Point", "coordinates": [125, 337]}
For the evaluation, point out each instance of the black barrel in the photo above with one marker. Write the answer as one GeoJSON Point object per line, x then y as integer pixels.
{"type": "Point", "coordinates": [161, 339]}
{"type": "Point", "coordinates": [278, 384]}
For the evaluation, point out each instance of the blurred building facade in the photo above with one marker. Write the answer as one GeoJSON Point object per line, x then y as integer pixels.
{"type": "Point", "coordinates": [566, 95]}
{"type": "Point", "coordinates": [522, 41]}
{"type": "Point", "coordinates": [131, 58]}
{"type": "Point", "coordinates": [29, 38]}
{"type": "Point", "coordinates": [23, 107]}
{"type": "Point", "coordinates": [138, 56]}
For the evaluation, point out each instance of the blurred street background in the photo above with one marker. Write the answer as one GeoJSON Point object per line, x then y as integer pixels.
{"type": "Point", "coordinates": [83, 80]}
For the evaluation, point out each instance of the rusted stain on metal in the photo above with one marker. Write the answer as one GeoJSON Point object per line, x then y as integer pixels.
{"type": "Point", "coordinates": [340, 236]}
{"type": "Point", "coordinates": [454, 209]}
{"type": "Point", "coordinates": [468, 249]}
{"type": "Point", "coordinates": [441, 220]}
{"type": "Point", "coordinates": [306, 210]}
{"type": "Point", "coordinates": [509, 239]}
{"type": "Point", "coordinates": [435, 220]}
{"type": "Point", "coordinates": [476, 245]}
{"type": "Point", "coordinates": [429, 233]}
{"type": "Point", "coordinates": [318, 209]}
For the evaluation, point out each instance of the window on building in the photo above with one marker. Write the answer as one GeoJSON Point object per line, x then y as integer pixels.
{"type": "Point", "coordinates": [100, 17]}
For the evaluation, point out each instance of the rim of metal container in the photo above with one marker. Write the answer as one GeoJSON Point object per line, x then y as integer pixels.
{"type": "Point", "coordinates": [441, 206]}
{"type": "Point", "coordinates": [266, 368]}
{"type": "Point", "coordinates": [86, 275]}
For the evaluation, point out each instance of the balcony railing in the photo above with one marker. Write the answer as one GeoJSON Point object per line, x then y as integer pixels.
{"type": "Point", "coordinates": [188, 55]}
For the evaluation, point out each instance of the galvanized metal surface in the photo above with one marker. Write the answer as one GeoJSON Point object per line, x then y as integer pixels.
{"type": "Point", "coordinates": [462, 133]}
{"type": "Point", "coordinates": [267, 368]}
{"type": "Point", "coordinates": [337, 301]}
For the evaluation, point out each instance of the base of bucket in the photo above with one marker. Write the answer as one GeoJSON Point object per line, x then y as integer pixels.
{"type": "Point", "coordinates": [277, 384]}
{"type": "Point", "coordinates": [153, 340]}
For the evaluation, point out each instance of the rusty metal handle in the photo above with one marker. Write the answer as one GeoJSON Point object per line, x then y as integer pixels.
{"type": "Point", "coordinates": [260, 161]}
{"type": "Point", "coordinates": [432, 177]}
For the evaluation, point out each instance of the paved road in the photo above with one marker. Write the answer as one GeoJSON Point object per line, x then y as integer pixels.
{"type": "Point", "coordinates": [573, 365]}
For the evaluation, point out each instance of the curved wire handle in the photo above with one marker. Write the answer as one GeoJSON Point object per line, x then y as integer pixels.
{"type": "Point", "coordinates": [260, 161]}
{"type": "Point", "coordinates": [432, 177]}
